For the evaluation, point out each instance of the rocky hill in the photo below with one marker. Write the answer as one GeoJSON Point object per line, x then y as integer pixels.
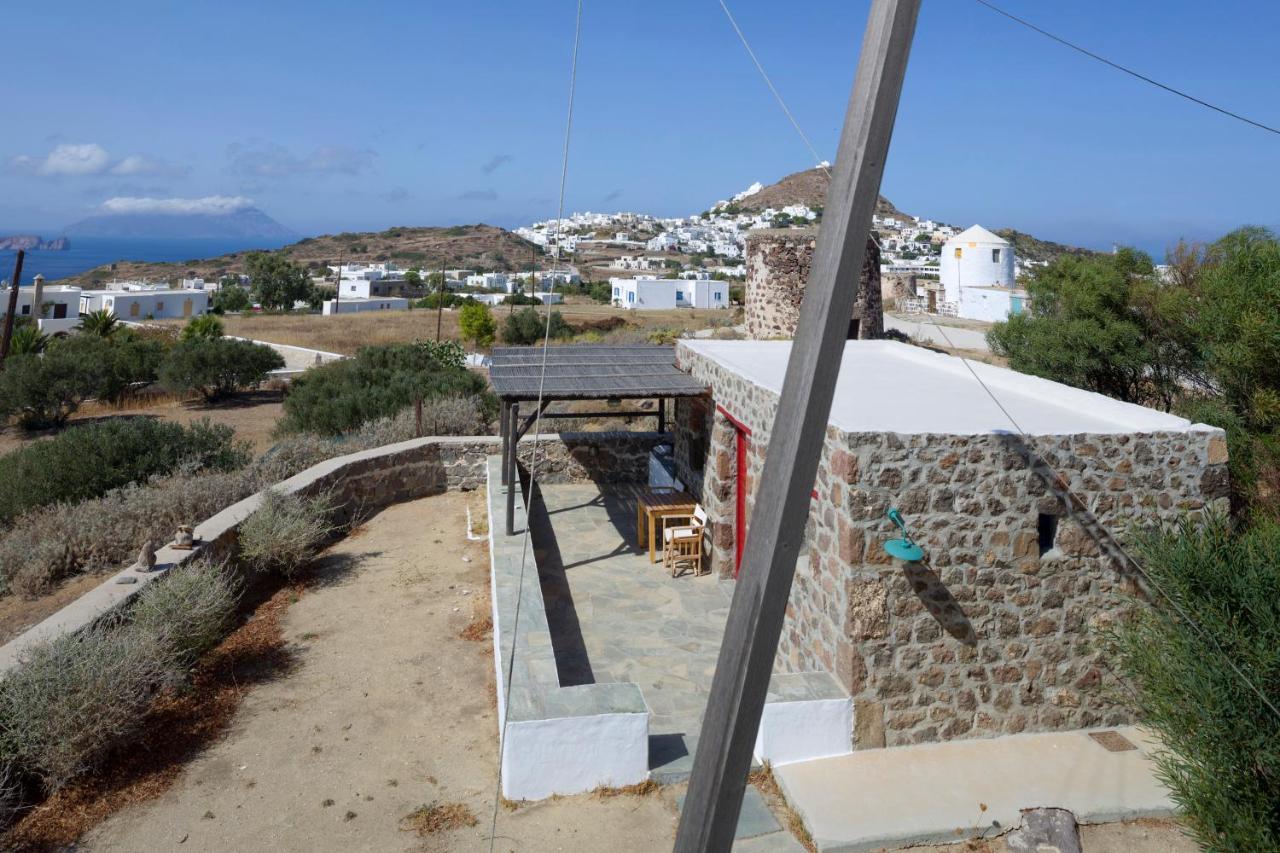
{"type": "Point", "coordinates": [808, 188]}
{"type": "Point", "coordinates": [480, 246]}
{"type": "Point", "coordinates": [33, 242]}
{"type": "Point", "coordinates": [1034, 249]}
{"type": "Point", "coordinates": [247, 222]}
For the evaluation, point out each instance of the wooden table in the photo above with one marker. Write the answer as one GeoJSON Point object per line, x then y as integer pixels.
{"type": "Point", "coordinates": [652, 506]}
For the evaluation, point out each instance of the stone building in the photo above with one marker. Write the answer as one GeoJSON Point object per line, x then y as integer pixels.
{"type": "Point", "coordinates": [778, 262]}
{"type": "Point", "coordinates": [993, 632]}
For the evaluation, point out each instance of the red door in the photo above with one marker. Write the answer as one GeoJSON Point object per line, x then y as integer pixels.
{"type": "Point", "coordinates": [742, 487]}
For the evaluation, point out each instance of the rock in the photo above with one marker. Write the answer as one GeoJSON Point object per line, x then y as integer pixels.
{"type": "Point", "coordinates": [1044, 830]}
{"type": "Point", "coordinates": [126, 579]}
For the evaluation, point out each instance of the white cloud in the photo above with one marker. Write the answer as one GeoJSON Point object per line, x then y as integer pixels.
{"type": "Point", "coordinates": [213, 204]}
{"type": "Point", "coordinates": [87, 159]}
{"type": "Point", "coordinates": [90, 158]}
{"type": "Point", "coordinates": [136, 164]}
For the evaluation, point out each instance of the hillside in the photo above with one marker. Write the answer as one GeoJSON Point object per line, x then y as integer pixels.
{"type": "Point", "coordinates": [1034, 249]}
{"type": "Point", "coordinates": [469, 246]}
{"type": "Point", "coordinates": [808, 188]}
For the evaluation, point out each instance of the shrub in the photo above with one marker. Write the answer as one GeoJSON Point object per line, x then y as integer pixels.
{"type": "Point", "coordinates": [100, 323]}
{"type": "Point", "coordinates": [216, 367]}
{"type": "Point", "coordinates": [28, 340]}
{"type": "Point", "coordinates": [379, 382]}
{"type": "Point", "coordinates": [231, 297]}
{"type": "Point", "coordinates": [44, 390]}
{"type": "Point", "coordinates": [188, 611]}
{"type": "Point", "coordinates": [476, 324]}
{"type": "Point", "coordinates": [90, 460]}
{"type": "Point", "coordinates": [285, 532]}
{"type": "Point", "coordinates": [449, 415]}
{"type": "Point", "coordinates": [527, 327]}
{"type": "Point", "coordinates": [204, 326]}
{"type": "Point", "coordinates": [73, 700]}
{"type": "Point", "coordinates": [1222, 742]}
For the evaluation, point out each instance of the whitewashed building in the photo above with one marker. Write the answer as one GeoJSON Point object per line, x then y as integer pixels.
{"type": "Point", "coordinates": [61, 307]}
{"type": "Point", "coordinates": [146, 304]}
{"type": "Point", "coordinates": [977, 272]}
{"type": "Point", "coordinates": [358, 305]}
{"type": "Point", "coordinates": [652, 294]}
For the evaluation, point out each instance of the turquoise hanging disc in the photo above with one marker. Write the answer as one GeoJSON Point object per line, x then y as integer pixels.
{"type": "Point", "coordinates": [905, 550]}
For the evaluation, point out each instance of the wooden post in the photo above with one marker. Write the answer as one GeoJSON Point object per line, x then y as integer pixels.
{"type": "Point", "coordinates": [662, 413]}
{"type": "Point", "coordinates": [782, 501]}
{"type": "Point", "coordinates": [13, 307]}
{"type": "Point", "coordinates": [503, 425]}
{"type": "Point", "coordinates": [513, 463]}
{"type": "Point", "coordinates": [417, 417]}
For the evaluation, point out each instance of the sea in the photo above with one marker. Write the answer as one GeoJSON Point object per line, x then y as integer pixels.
{"type": "Point", "coordinates": [89, 252]}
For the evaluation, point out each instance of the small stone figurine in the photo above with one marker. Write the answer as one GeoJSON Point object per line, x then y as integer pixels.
{"type": "Point", "coordinates": [185, 538]}
{"type": "Point", "coordinates": [147, 556]}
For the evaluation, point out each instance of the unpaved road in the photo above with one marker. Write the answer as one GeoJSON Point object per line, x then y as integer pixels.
{"type": "Point", "coordinates": [386, 710]}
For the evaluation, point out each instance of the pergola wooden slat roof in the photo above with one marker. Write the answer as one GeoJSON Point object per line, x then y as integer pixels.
{"type": "Point", "coordinates": [590, 372]}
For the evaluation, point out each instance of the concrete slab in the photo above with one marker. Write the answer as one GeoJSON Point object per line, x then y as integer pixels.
{"type": "Point", "coordinates": [754, 819]}
{"type": "Point", "coordinates": [949, 791]}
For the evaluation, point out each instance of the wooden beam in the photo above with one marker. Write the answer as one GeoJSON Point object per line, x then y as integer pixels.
{"type": "Point", "coordinates": [782, 501]}
{"type": "Point", "coordinates": [503, 423]}
{"type": "Point", "coordinates": [513, 468]}
{"type": "Point", "coordinates": [528, 422]}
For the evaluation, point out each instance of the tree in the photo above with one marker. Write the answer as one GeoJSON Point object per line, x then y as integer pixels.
{"type": "Point", "coordinates": [477, 325]}
{"type": "Point", "coordinates": [28, 340]}
{"type": "Point", "coordinates": [44, 390]}
{"type": "Point", "coordinates": [278, 281]}
{"type": "Point", "coordinates": [231, 298]}
{"type": "Point", "coordinates": [526, 327]}
{"type": "Point", "coordinates": [102, 323]}
{"type": "Point", "coordinates": [413, 278]}
{"type": "Point", "coordinates": [204, 326]}
{"type": "Point", "coordinates": [1092, 323]}
{"type": "Point", "coordinates": [216, 367]}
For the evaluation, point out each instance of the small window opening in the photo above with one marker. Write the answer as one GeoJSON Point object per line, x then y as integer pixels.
{"type": "Point", "coordinates": [995, 256]}
{"type": "Point", "coordinates": [1047, 528]}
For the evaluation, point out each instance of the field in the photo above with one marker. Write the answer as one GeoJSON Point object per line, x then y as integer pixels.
{"type": "Point", "coordinates": [348, 332]}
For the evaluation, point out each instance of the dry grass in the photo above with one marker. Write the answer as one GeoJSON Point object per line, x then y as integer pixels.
{"type": "Point", "coordinates": [478, 629]}
{"type": "Point", "coordinates": [767, 784]}
{"type": "Point", "coordinates": [438, 817]}
{"type": "Point", "coordinates": [640, 789]}
{"type": "Point", "coordinates": [179, 725]}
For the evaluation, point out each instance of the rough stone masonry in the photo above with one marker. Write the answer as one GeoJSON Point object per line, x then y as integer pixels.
{"type": "Point", "coordinates": [778, 262]}
{"type": "Point", "coordinates": [997, 632]}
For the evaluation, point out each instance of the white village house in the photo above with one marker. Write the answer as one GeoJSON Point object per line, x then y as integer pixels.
{"type": "Point", "coordinates": [60, 306]}
{"type": "Point", "coordinates": [150, 304]}
{"type": "Point", "coordinates": [647, 293]}
{"type": "Point", "coordinates": [356, 305]}
{"type": "Point", "coordinates": [977, 271]}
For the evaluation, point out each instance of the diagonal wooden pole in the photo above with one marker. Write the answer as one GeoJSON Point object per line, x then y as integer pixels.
{"type": "Point", "coordinates": [795, 445]}
{"type": "Point", "coordinates": [7, 335]}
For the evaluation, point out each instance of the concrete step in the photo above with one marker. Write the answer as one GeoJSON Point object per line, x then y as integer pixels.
{"type": "Point", "coordinates": [965, 789]}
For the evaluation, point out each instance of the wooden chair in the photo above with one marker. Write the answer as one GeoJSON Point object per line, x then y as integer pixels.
{"type": "Point", "coordinates": [682, 540]}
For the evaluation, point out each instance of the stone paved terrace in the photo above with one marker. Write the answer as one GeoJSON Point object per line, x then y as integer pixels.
{"type": "Point", "coordinates": [616, 617]}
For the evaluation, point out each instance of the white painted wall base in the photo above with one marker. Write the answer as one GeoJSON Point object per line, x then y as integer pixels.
{"type": "Point", "coordinates": [805, 730]}
{"type": "Point", "coordinates": [571, 755]}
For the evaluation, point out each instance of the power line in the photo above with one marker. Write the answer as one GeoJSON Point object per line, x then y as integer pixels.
{"type": "Point", "coordinates": [818, 161]}
{"type": "Point", "coordinates": [1117, 66]}
{"type": "Point", "coordinates": [514, 481]}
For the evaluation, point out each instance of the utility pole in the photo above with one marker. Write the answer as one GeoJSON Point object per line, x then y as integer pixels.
{"type": "Point", "coordinates": [440, 300]}
{"type": "Point", "coordinates": [777, 522]}
{"type": "Point", "coordinates": [13, 307]}
{"type": "Point", "coordinates": [337, 281]}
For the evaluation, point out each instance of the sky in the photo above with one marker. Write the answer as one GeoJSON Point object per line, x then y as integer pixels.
{"type": "Point", "coordinates": [335, 116]}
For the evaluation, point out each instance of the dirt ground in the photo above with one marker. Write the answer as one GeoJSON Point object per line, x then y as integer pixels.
{"type": "Point", "coordinates": [387, 710]}
{"type": "Point", "coordinates": [252, 415]}
{"type": "Point", "coordinates": [1162, 835]}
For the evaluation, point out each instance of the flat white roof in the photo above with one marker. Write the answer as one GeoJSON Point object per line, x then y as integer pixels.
{"type": "Point", "coordinates": [886, 386]}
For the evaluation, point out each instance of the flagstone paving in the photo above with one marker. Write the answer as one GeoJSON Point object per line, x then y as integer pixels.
{"type": "Point", "coordinates": [614, 616]}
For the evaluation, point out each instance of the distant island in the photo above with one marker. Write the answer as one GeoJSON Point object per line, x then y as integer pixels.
{"type": "Point", "coordinates": [33, 243]}
{"type": "Point", "coordinates": [248, 222]}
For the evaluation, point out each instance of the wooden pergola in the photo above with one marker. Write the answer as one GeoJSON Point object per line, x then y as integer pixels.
{"type": "Point", "coordinates": [575, 373]}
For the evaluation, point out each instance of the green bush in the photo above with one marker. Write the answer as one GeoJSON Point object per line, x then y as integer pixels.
{"type": "Point", "coordinates": [285, 532]}
{"type": "Point", "coordinates": [44, 390]}
{"type": "Point", "coordinates": [1222, 741]}
{"type": "Point", "coordinates": [90, 460]}
{"type": "Point", "coordinates": [73, 700]}
{"type": "Point", "coordinates": [379, 382]}
{"type": "Point", "coordinates": [475, 321]}
{"type": "Point", "coordinates": [189, 610]}
{"type": "Point", "coordinates": [231, 297]}
{"type": "Point", "coordinates": [216, 367]}
{"type": "Point", "coordinates": [527, 327]}
{"type": "Point", "coordinates": [27, 340]}
{"type": "Point", "coordinates": [204, 326]}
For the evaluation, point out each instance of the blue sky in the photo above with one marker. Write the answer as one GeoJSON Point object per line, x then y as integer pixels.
{"type": "Point", "coordinates": [341, 116]}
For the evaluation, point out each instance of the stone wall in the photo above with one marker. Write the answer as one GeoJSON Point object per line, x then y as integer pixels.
{"type": "Point", "coordinates": [993, 633]}
{"type": "Point", "coordinates": [778, 262]}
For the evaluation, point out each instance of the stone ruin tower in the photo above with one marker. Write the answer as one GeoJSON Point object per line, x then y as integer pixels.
{"type": "Point", "coordinates": [778, 263]}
